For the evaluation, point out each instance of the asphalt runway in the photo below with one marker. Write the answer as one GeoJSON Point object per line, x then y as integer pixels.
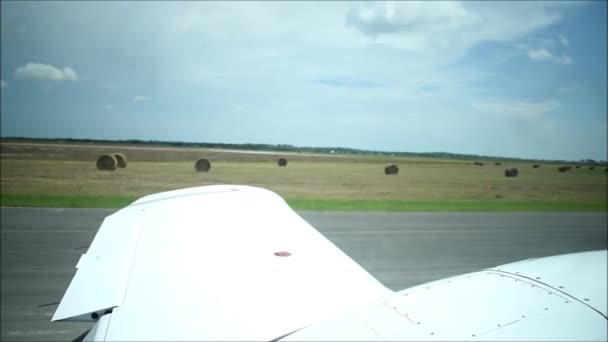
{"type": "Point", "coordinates": [40, 248]}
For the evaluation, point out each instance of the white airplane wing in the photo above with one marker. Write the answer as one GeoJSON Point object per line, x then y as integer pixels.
{"type": "Point", "coordinates": [211, 263]}
{"type": "Point", "coordinates": [558, 298]}
{"type": "Point", "coordinates": [236, 263]}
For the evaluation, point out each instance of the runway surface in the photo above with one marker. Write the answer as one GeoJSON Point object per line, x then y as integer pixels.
{"type": "Point", "coordinates": [40, 248]}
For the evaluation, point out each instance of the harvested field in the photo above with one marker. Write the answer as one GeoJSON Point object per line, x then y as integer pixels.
{"type": "Point", "coordinates": [29, 170]}
{"type": "Point", "coordinates": [151, 153]}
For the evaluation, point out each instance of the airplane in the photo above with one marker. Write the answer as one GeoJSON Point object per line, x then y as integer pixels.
{"type": "Point", "coordinates": [234, 262]}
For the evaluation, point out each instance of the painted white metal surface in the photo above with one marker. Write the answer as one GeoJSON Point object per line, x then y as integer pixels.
{"type": "Point", "coordinates": [99, 330]}
{"type": "Point", "coordinates": [583, 276]}
{"type": "Point", "coordinates": [103, 271]}
{"type": "Point", "coordinates": [486, 306]}
{"type": "Point", "coordinates": [203, 267]}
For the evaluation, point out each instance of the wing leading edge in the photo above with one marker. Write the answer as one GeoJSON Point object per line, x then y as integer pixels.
{"type": "Point", "coordinates": [212, 263]}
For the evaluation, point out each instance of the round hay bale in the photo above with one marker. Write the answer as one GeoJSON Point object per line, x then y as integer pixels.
{"type": "Point", "coordinates": [391, 169]}
{"type": "Point", "coordinates": [121, 159]}
{"type": "Point", "coordinates": [511, 172]}
{"type": "Point", "coordinates": [282, 162]}
{"type": "Point", "coordinates": [107, 162]}
{"type": "Point", "coordinates": [202, 165]}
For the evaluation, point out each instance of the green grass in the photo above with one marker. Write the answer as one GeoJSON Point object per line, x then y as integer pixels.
{"type": "Point", "coordinates": [65, 201]}
{"type": "Point", "coordinates": [444, 205]}
{"type": "Point", "coordinates": [79, 201]}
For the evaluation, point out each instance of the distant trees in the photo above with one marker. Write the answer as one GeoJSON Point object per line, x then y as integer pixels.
{"type": "Point", "coordinates": [309, 149]}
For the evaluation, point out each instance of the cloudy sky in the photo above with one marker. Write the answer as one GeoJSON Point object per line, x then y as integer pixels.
{"type": "Point", "coordinates": [514, 79]}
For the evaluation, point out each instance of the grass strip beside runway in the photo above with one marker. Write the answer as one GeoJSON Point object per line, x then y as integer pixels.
{"type": "Point", "coordinates": [79, 201]}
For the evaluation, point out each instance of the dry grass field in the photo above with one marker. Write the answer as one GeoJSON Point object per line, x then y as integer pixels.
{"type": "Point", "coordinates": [69, 169]}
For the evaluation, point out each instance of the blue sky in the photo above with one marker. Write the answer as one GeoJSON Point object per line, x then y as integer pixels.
{"type": "Point", "coordinates": [514, 79]}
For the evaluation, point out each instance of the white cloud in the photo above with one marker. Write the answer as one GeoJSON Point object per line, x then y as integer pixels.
{"type": "Point", "coordinates": [539, 54]}
{"type": "Point", "coordinates": [543, 54]}
{"type": "Point", "coordinates": [391, 17]}
{"type": "Point", "coordinates": [522, 110]}
{"type": "Point", "coordinates": [568, 89]}
{"type": "Point", "coordinates": [563, 40]}
{"type": "Point", "coordinates": [141, 98]}
{"type": "Point", "coordinates": [450, 27]}
{"type": "Point", "coordinates": [37, 71]}
{"type": "Point", "coordinates": [416, 26]}
{"type": "Point", "coordinates": [3, 84]}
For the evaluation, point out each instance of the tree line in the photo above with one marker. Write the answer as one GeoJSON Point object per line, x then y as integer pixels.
{"type": "Point", "coordinates": [301, 149]}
